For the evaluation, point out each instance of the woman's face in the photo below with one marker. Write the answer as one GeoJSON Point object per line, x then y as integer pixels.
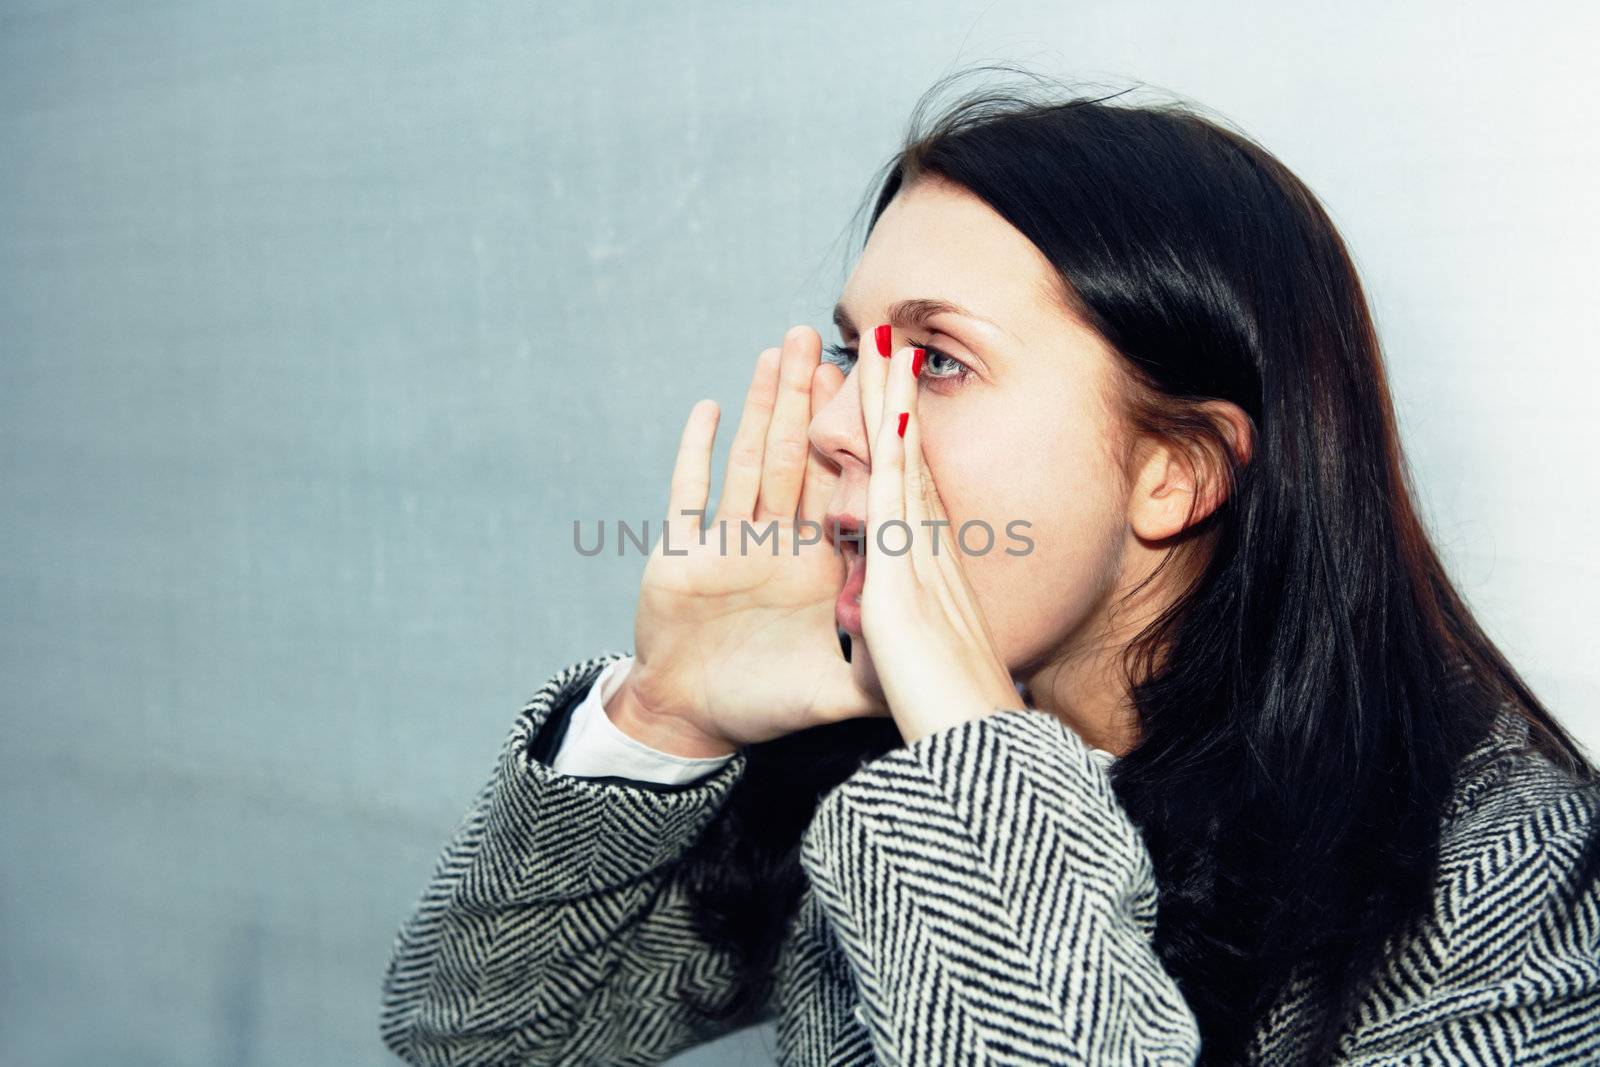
{"type": "Point", "coordinates": [1017, 424]}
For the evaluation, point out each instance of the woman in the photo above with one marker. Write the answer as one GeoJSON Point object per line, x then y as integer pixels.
{"type": "Point", "coordinates": [1197, 756]}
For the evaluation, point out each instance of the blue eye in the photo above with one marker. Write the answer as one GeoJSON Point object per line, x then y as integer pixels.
{"type": "Point", "coordinates": [939, 367]}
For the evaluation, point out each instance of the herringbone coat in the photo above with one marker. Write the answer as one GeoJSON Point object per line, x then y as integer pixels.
{"type": "Point", "coordinates": [975, 897]}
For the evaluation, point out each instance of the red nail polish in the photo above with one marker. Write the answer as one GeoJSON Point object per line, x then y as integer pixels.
{"type": "Point", "coordinates": [904, 415]}
{"type": "Point", "coordinates": [916, 362]}
{"type": "Point", "coordinates": [882, 334]}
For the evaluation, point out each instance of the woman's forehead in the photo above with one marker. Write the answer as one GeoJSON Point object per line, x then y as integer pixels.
{"type": "Point", "coordinates": [939, 244]}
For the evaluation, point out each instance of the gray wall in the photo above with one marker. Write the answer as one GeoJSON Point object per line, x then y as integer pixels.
{"type": "Point", "coordinates": [320, 322]}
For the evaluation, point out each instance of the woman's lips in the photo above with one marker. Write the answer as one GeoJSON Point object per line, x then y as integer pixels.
{"type": "Point", "coordinates": [847, 608]}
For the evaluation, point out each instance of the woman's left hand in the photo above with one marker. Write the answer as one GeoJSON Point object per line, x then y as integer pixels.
{"type": "Point", "coordinates": [930, 644]}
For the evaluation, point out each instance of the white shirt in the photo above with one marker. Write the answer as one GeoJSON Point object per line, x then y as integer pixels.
{"type": "Point", "coordinates": [594, 746]}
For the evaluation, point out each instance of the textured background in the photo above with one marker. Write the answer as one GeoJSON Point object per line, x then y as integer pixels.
{"type": "Point", "coordinates": [319, 323]}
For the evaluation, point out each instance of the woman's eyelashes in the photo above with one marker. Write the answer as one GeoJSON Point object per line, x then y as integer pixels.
{"type": "Point", "coordinates": [839, 356]}
{"type": "Point", "coordinates": [938, 366]}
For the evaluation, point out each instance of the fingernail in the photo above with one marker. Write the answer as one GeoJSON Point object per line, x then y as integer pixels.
{"type": "Point", "coordinates": [904, 415]}
{"type": "Point", "coordinates": [882, 333]}
{"type": "Point", "coordinates": [916, 362]}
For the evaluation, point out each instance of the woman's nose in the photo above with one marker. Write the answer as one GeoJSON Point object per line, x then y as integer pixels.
{"type": "Point", "coordinates": [838, 430]}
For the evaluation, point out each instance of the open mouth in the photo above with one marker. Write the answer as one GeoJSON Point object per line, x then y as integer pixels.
{"type": "Point", "coordinates": [845, 533]}
{"type": "Point", "coordinates": [855, 569]}
{"type": "Point", "coordinates": [847, 605]}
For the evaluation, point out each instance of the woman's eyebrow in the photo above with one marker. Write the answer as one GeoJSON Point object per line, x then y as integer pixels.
{"type": "Point", "coordinates": [908, 313]}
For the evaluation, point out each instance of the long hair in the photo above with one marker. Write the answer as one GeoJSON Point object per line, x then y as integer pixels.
{"type": "Point", "coordinates": [1305, 702]}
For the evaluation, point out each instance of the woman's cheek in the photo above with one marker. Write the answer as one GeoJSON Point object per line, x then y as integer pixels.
{"type": "Point", "coordinates": [1041, 591]}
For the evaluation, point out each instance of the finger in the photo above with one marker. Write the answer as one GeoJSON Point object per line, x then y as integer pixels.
{"type": "Point", "coordinates": [916, 477]}
{"type": "Point", "coordinates": [944, 571]}
{"type": "Point", "coordinates": [788, 442]}
{"type": "Point", "coordinates": [873, 370]}
{"type": "Point", "coordinates": [741, 484]}
{"type": "Point", "coordinates": [821, 474]}
{"type": "Point", "coordinates": [886, 482]}
{"type": "Point", "coordinates": [943, 549]}
{"type": "Point", "coordinates": [933, 503]}
{"type": "Point", "coordinates": [941, 573]}
{"type": "Point", "coordinates": [691, 475]}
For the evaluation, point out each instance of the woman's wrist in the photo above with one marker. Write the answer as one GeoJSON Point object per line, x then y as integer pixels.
{"type": "Point", "coordinates": [662, 731]}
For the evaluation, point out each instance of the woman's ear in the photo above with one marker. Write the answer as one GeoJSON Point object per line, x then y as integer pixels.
{"type": "Point", "coordinates": [1177, 484]}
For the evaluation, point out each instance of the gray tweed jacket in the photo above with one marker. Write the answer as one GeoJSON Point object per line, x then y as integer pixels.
{"type": "Point", "coordinates": [976, 897]}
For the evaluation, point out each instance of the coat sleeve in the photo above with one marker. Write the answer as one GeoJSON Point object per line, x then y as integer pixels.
{"type": "Point", "coordinates": [1506, 968]}
{"type": "Point", "coordinates": [996, 904]}
{"type": "Point", "coordinates": [553, 929]}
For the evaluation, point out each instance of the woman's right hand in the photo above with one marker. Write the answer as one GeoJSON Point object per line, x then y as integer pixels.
{"type": "Point", "coordinates": [739, 646]}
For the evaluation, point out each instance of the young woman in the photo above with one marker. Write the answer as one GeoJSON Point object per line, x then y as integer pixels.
{"type": "Point", "coordinates": [1195, 756]}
